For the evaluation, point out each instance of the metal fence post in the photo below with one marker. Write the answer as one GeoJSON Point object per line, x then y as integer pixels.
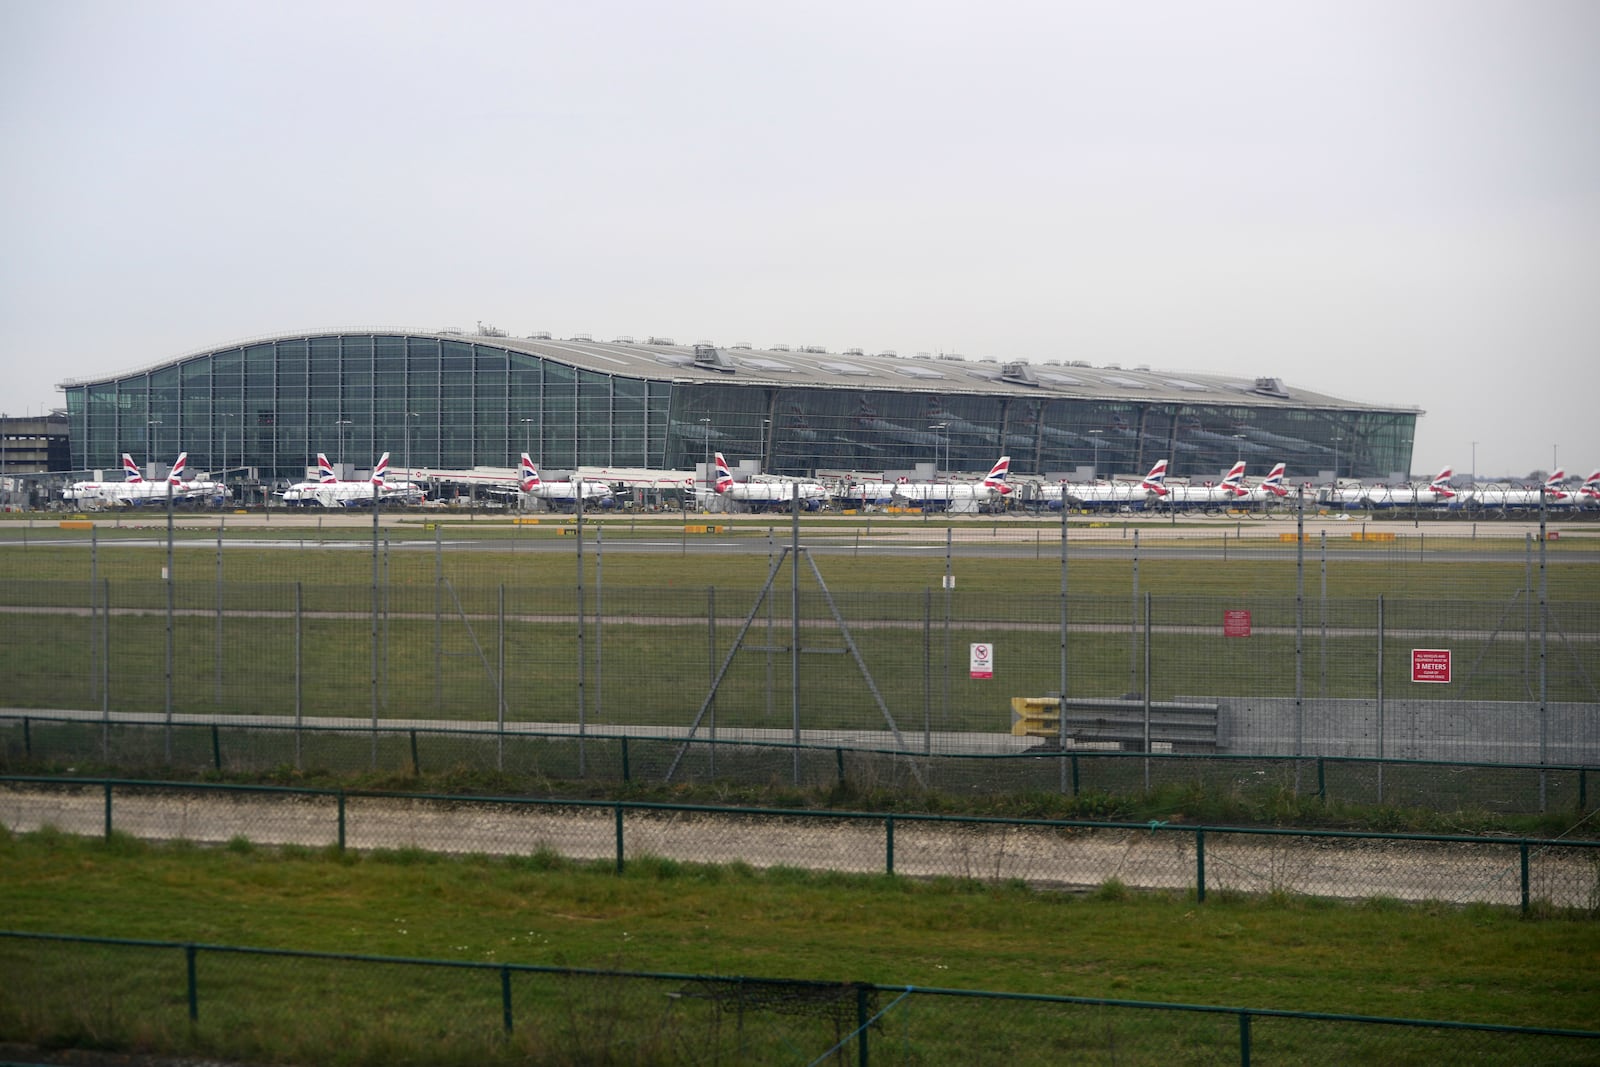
{"type": "Point", "coordinates": [888, 836]}
{"type": "Point", "coordinates": [1244, 1039]}
{"type": "Point", "coordinates": [189, 952]}
{"type": "Point", "coordinates": [863, 1017]}
{"type": "Point", "coordinates": [618, 809]}
{"type": "Point", "coordinates": [505, 998]}
{"type": "Point", "coordinates": [1200, 864]}
{"type": "Point", "coordinates": [1522, 852]}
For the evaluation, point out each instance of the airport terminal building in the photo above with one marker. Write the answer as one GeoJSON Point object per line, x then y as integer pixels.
{"type": "Point", "coordinates": [451, 400]}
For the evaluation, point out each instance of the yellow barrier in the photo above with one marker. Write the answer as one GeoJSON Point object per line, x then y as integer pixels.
{"type": "Point", "coordinates": [1035, 716]}
{"type": "Point", "coordinates": [705, 529]}
{"type": "Point", "coordinates": [1289, 537]}
{"type": "Point", "coordinates": [76, 524]}
{"type": "Point", "coordinates": [525, 522]}
{"type": "Point", "coordinates": [1371, 535]}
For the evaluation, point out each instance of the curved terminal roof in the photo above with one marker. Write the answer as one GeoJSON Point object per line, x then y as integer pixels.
{"type": "Point", "coordinates": [812, 366]}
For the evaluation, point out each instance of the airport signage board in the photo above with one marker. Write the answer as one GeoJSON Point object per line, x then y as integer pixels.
{"type": "Point", "coordinates": [1236, 623]}
{"type": "Point", "coordinates": [982, 661]}
{"type": "Point", "coordinates": [1430, 664]}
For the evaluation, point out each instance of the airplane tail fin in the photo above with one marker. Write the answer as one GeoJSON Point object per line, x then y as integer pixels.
{"type": "Point", "coordinates": [175, 475]}
{"type": "Point", "coordinates": [1591, 486]}
{"type": "Point", "coordinates": [529, 481]}
{"type": "Point", "coordinates": [1233, 481]}
{"type": "Point", "coordinates": [996, 478]}
{"type": "Point", "coordinates": [130, 469]}
{"type": "Point", "coordinates": [724, 476]}
{"type": "Point", "coordinates": [325, 469]}
{"type": "Point", "coordinates": [1156, 481]}
{"type": "Point", "coordinates": [1441, 483]}
{"type": "Point", "coordinates": [380, 470]}
{"type": "Point", "coordinates": [1273, 482]}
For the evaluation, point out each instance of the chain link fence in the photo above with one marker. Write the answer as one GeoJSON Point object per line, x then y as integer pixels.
{"type": "Point", "coordinates": [147, 745]}
{"type": "Point", "coordinates": [1522, 873]}
{"type": "Point", "coordinates": [220, 1000]}
{"type": "Point", "coordinates": [1499, 661]}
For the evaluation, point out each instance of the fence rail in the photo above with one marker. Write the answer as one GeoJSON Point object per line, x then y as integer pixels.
{"type": "Point", "coordinates": [220, 999]}
{"type": "Point", "coordinates": [1523, 873]}
{"type": "Point", "coordinates": [135, 743]}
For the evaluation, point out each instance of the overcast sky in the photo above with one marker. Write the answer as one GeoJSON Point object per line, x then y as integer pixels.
{"type": "Point", "coordinates": [1394, 201]}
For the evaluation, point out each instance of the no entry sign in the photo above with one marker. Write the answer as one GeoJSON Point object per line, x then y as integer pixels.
{"type": "Point", "coordinates": [982, 660]}
{"type": "Point", "coordinates": [1430, 664]}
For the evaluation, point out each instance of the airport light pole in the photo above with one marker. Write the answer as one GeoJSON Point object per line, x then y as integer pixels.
{"type": "Point", "coordinates": [1095, 436]}
{"type": "Point", "coordinates": [224, 428]}
{"type": "Point", "coordinates": [1336, 439]}
{"type": "Point", "coordinates": [943, 430]}
{"type": "Point", "coordinates": [339, 425]}
{"type": "Point", "coordinates": [1238, 453]}
{"type": "Point", "coordinates": [527, 450]}
{"type": "Point", "coordinates": [409, 416]}
{"type": "Point", "coordinates": [150, 441]}
{"type": "Point", "coordinates": [705, 424]}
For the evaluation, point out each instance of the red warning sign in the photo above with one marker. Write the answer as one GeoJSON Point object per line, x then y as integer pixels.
{"type": "Point", "coordinates": [1430, 664]}
{"type": "Point", "coordinates": [1236, 623]}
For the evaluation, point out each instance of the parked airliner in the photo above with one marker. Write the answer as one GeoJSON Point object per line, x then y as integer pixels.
{"type": "Point", "coordinates": [564, 493]}
{"type": "Point", "coordinates": [1111, 494]}
{"type": "Point", "coordinates": [958, 495]}
{"type": "Point", "coordinates": [1553, 495]}
{"type": "Point", "coordinates": [330, 492]}
{"type": "Point", "coordinates": [133, 490]}
{"type": "Point", "coordinates": [776, 494]}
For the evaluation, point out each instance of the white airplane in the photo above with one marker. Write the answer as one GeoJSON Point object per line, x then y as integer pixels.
{"type": "Point", "coordinates": [1231, 490]}
{"type": "Point", "coordinates": [1271, 490]}
{"type": "Point", "coordinates": [90, 492]}
{"type": "Point", "coordinates": [949, 495]}
{"type": "Point", "coordinates": [1111, 494]}
{"type": "Point", "coordinates": [1588, 494]}
{"type": "Point", "coordinates": [330, 492]}
{"type": "Point", "coordinates": [1437, 493]}
{"type": "Point", "coordinates": [133, 490]}
{"type": "Point", "coordinates": [563, 493]}
{"type": "Point", "coordinates": [1506, 497]}
{"type": "Point", "coordinates": [762, 495]}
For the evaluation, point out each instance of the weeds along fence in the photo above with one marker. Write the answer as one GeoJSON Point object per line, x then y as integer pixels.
{"type": "Point", "coordinates": [1549, 875]}
{"type": "Point", "coordinates": [203, 746]}
{"type": "Point", "coordinates": [1488, 652]}
{"type": "Point", "coordinates": [230, 1001]}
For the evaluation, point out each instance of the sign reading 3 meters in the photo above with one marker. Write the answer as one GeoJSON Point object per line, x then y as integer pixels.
{"type": "Point", "coordinates": [1430, 664]}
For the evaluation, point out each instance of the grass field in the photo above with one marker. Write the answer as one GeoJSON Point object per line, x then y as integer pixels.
{"type": "Point", "coordinates": [1377, 958]}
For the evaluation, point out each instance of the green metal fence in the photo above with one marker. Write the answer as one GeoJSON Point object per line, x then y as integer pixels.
{"type": "Point", "coordinates": [222, 1000]}
{"type": "Point", "coordinates": [1563, 875]}
{"type": "Point", "coordinates": [148, 745]}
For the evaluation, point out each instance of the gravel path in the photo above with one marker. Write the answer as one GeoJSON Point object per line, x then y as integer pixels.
{"type": "Point", "coordinates": [1160, 858]}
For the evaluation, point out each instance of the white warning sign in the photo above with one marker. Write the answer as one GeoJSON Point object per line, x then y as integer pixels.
{"type": "Point", "coordinates": [982, 660]}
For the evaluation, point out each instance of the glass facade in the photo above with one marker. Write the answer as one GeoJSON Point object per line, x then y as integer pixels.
{"type": "Point", "coordinates": [457, 403]}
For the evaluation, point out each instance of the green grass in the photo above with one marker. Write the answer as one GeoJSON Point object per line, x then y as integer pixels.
{"type": "Point", "coordinates": [1397, 570]}
{"type": "Point", "coordinates": [1377, 958]}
